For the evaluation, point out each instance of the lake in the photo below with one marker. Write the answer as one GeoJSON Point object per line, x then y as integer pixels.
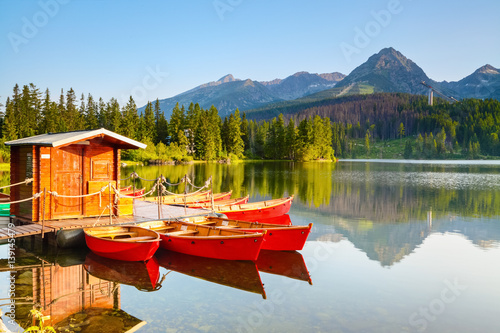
{"type": "Point", "coordinates": [396, 247]}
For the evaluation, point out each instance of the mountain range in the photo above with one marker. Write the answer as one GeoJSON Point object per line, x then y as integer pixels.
{"type": "Point", "coordinates": [386, 71]}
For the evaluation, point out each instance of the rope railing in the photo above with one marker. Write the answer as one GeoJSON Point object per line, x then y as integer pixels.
{"type": "Point", "coordinates": [26, 182]}
{"type": "Point", "coordinates": [56, 195]}
{"type": "Point", "coordinates": [159, 185]}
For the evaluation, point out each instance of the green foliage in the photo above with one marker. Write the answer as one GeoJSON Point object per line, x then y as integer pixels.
{"type": "Point", "coordinates": [40, 328]}
{"type": "Point", "coordinates": [350, 126]}
{"type": "Point", "coordinates": [408, 152]}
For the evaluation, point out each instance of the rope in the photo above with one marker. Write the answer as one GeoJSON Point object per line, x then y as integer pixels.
{"type": "Point", "coordinates": [26, 182]}
{"type": "Point", "coordinates": [35, 196]}
{"type": "Point", "coordinates": [57, 195]}
{"type": "Point", "coordinates": [207, 183]}
{"type": "Point", "coordinates": [132, 175]}
{"type": "Point", "coordinates": [118, 194]}
{"type": "Point", "coordinates": [147, 180]}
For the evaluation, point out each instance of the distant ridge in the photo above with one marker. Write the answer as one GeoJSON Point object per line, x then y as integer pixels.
{"type": "Point", "coordinates": [386, 71]}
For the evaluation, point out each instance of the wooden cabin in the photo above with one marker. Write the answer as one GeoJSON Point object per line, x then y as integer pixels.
{"type": "Point", "coordinates": [70, 164]}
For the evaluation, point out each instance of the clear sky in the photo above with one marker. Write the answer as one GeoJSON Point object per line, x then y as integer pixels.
{"type": "Point", "coordinates": [157, 49]}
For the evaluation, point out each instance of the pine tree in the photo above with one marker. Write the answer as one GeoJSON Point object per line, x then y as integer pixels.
{"type": "Point", "coordinates": [161, 124]}
{"type": "Point", "coordinates": [49, 123]}
{"type": "Point", "coordinates": [176, 123]}
{"type": "Point", "coordinates": [130, 120]}
{"type": "Point", "coordinates": [149, 123]}
{"type": "Point", "coordinates": [115, 116]}
{"type": "Point", "coordinates": [103, 116]}
{"type": "Point", "coordinates": [235, 143]}
{"type": "Point", "coordinates": [9, 129]}
{"type": "Point", "coordinates": [74, 120]}
{"type": "Point", "coordinates": [244, 132]}
{"type": "Point", "coordinates": [291, 140]}
{"type": "Point", "coordinates": [91, 113]}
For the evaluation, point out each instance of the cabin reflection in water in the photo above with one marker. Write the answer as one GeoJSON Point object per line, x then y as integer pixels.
{"type": "Point", "coordinates": [72, 297]}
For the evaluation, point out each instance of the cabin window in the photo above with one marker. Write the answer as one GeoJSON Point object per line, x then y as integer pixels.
{"type": "Point", "coordinates": [100, 170]}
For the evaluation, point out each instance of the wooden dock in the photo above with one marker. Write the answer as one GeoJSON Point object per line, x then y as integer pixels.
{"type": "Point", "coordinates": [143, 211]}
{"type": "Point", "coordinates": [23, 230]}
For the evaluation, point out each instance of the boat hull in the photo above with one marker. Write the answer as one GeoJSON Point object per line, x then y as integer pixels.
{"type": "Point", "coordinates": [276, 237]}
{"type": "Point", "coordinates": [290, 238]}
{"type": "Point", "coordinates": [252, 213]}
{"type": "Point", "coordinates": [226, 248]}
{"type": "Point", "coordinates": [122, 249]}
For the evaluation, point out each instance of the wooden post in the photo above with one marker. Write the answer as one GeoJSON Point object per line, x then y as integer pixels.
{"type": "Point", "coordinates": [158, 197]}
{"type": "Point", "coordinates": [133, 185]}
{"type": "Point", "coordinates": [185, 192]}
{"type": "Point", "coordinates": [212, 194]}
{"type": "Point", "coordinates": [43, 212]}
{"type": "Point", "coordinates": [109, 204]}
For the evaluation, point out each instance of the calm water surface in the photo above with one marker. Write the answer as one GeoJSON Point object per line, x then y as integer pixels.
{"type": "Point", "coordinates": [395, 247]}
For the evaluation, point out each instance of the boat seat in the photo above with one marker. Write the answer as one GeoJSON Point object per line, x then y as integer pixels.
{"type": "Point", "coordinates": [140, 238]}
{"type": "Point", "coordinates": [183, 232]}
{"type": "Point", "coordinates": [112, 235]}
{"type": "Point", "coordinates": [228, 226]}
{"type": "Point", "coordinates": [205, 222]}
{"type": "Point", "coordinates": [161, 229]}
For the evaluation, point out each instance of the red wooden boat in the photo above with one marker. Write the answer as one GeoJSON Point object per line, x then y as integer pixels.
{"type": "Point", "coordinates": [205, 241]}
{"type": "Point", "coordinates": [283, 220]}
{"type": "Point", "coordinates": [192, 199]}
{"type": "Point", "coordinates": [239, 274]}
{"type": "Point", "coordinates": [128, 243]}
{"type": "Point", "coordinates": [226, 202]}
{"type": "Point", "coordinates": [256, 211]}
{"type": "Point", "coordinates": [131, 192]}
{"type": "Point", "coordinates": [278, 237]}
{"type": "Point", "coordinates": [142, 275]}
{"type": "Point", "coordinates": [285, 263]}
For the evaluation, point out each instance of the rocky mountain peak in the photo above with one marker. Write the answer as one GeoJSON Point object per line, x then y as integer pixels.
{"type": "Point", "coordinates": [488, 69]}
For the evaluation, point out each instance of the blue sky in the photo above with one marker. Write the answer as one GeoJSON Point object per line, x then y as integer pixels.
{"type": "Point", "coordinates": [157, 49]}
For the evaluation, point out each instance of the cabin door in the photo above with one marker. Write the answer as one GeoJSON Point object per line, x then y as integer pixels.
{"type": "Point", "coordinates": [68, 180]}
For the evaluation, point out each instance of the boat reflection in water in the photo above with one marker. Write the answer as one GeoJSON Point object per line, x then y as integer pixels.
{"type": "Point", "coordinates": [142, 275]}
{"type": "Point", "coordinates": [286, 263]}
{"type": "Point", "coordinates": [237, 274]}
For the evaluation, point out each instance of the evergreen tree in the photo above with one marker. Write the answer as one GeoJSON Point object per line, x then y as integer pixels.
{"type": "Point", "coordinates": [9, 129]}
{"type": "Point", "coordinates": [50, 115]}
{"type": "Point", "coordinates": [161, 124]}
{"type": "Point", "coordinates": [235, 144]}
{"type": "Point", "coordinates": [115, 116]}
{"type": "Point", "coordinates": [176, 123]}
{"type": "Point", "coordinates": [130, 120]}
{"type": "Point", "coordinates": [91, 113]}
{"type": "Point", "coordinates": [103, 116]}
{"type": "Point", "coordinates": [291, 140]}
{"type": "Point", "coordinates": [61, 110]}
{"type": "Point", "coordinates": [245, 132]}
{"type": "Point", "coordinates": [73, 119]}
{"type": "Point", "coordinates": [149, 130]}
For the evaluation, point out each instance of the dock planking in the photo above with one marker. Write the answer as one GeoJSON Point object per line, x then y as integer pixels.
{"type": "Point", "coordinates": [23, 230]}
